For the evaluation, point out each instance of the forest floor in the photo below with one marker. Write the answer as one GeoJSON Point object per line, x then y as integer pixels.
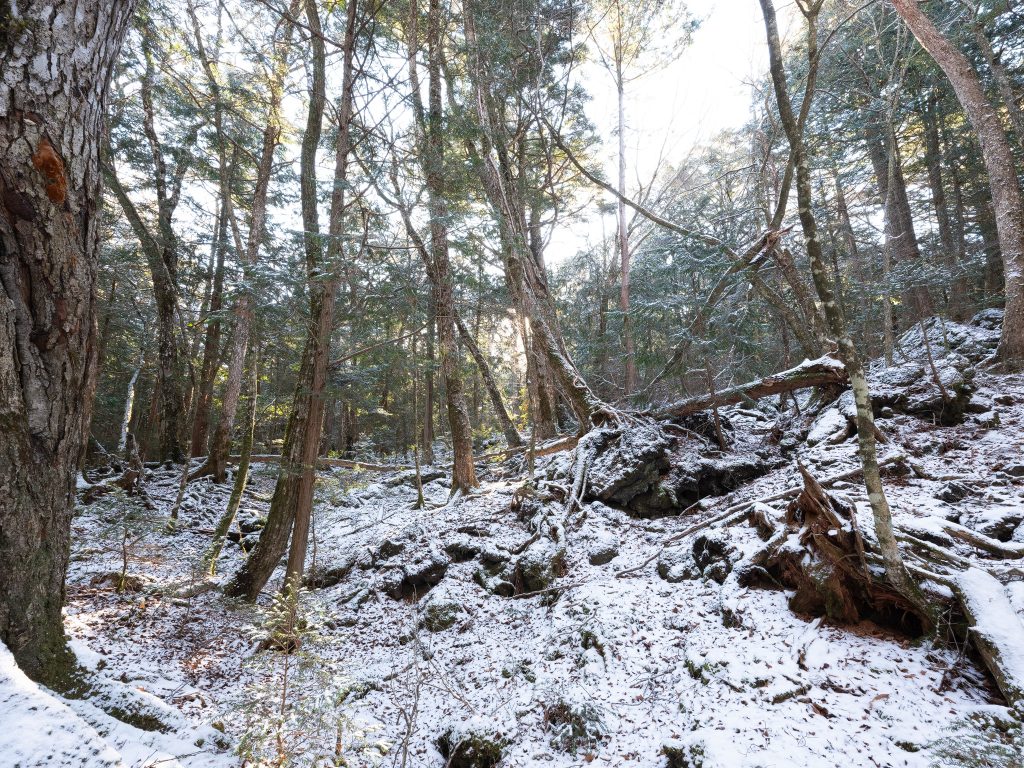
{"type": "Point", "coordinates": [609, 670]}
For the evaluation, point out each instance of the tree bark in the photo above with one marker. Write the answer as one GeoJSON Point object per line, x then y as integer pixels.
{"type": "Point", "coordinates": [431, 139]}
{"type": "Point", "coordinates": [895, 570]}
{"type": "Point", "coordinates": [291, 505]}
{"type": "Point", "coordinates": [51, 121]}
{"type": "Point", "coordinates": [999, 163]}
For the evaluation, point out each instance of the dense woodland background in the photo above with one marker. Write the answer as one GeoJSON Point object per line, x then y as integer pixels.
{"type": "Point", "coordinates": [198, 222]}
{"type": "Point", "coordinates": [304, 234]}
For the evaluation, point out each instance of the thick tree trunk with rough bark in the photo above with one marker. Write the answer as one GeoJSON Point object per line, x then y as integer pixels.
{"type": "Point", "coordinates": [51, 121]}
{"type": "Point", "coordinates": [999, 162]}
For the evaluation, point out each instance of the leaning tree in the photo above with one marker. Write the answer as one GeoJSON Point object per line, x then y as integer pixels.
{"type": "Point", "coordinates": [57, 60]}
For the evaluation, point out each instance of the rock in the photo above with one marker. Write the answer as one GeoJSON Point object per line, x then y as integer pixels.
{"type": "Point", "coordinates": [998, 522]}
{"type": "Point", "coordinates": [472, 744]}
{"type": "Point", "coordinates": [540, 564]}
{"type": "Point", "coordinates": [714, 555]}
{"type": "Point", "coordinates": [492, 554]}
{"type": "Point", "coordinates": [418, 569]}
{"type": "Point", "coordinates": [988, 420]}
{"type": "Point", "coordinates": [989, 319]}
{"type": "Point", "coordinates": [953, 491]}
{"type": "Point", "coordinates": [408, 477]}
{"type": "Point", "coordinates": [676, 564]}
{"type": "Point", "coordinates": [496, 580]}
{"type": "Point", "coordinates": [628, 463]}
{"type": "Point", "coordinates": [710, 555]}
{"type": "Point", "coordinates": [828, 427]}
{"type": "Point", "coordinates": [603, 548]}
{"type": "Point", "coordinates": [1014, 470]}
{"type": "Point", "coordinates": [462, 547]}
{"type": "Point", "coordinates": [1004, 400]}
{"type": "Point", "coordinates": [1018, 535]}
{"type": "Point", "coordinates": [441, 609]}
{"type": "Point", "coordinates": [680, 754]}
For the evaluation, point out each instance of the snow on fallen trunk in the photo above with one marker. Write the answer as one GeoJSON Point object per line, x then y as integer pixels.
{"type": "Point", "coordinates": [997, 631]}
{"type": "Point", "coordinates": [825, 371]}
{"type": "Point", "coordinates": [38, 729]}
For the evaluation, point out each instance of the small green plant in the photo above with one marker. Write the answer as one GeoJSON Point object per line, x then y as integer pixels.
{"type": "Point", "coordinates": [294, 713]}
{"type": "Point", "coordinates": [126, 523]}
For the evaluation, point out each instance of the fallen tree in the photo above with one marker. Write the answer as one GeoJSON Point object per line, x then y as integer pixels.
{"type": "Point", "coordinates": [832, 568]}
{"type": "Point", "coordinates": [823, 372]}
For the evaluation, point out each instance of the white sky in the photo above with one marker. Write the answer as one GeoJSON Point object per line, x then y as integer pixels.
{"type": "Point", "coordinates": [669, 112]}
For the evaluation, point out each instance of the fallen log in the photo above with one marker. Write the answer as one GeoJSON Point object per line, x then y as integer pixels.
{"type": "Point", "coordinates": [273, 458]}
{"type": "Point", "coordinates": [825, 371]}
{"type": "Point", "coordinates": [996, 631]}
{"type": "Point", "coordinates": [546, 449]}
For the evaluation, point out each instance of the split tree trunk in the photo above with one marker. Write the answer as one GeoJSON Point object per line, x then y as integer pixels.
{"type": "Point", "coordinates": [51, 121]}
{"type": "Point", "coordinates": [526, 283]}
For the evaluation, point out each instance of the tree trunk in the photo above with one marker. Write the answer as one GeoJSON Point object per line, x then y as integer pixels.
{"type": "Point", "coordinates": [129, 406]}
{"type": "Point", "coordinates": [629, 379]}
{"type": "Point", "coordinates": [526, 283]}
{"type": "Point", "coordinates": [51, 121]}
{"type": "Point", "coordinates": [220, 445]}
{"type": "Point", "coordinates": [824, 372]}
{"type": "Point", "coordinates": [512, 436]}
{"type": "Point", "coordinates": [161, 258]}
{"type": "Point", "coordinates": [1003, 82]}
{"type": "Point", "coordinates": [242, 475]}
{"type": "Point", "coordinates": [426, 436]}
{"type": "Point", "coordinates": [895, 570]}
{"type": "Point", "coordinates": [999, 163]}
{"type": "Point", "coordinates": [291, 505]}
{"type": "Point", "coordinates": [431, 140]}
{"type": "Point", "coordinates": [211, 344]}
{"type": "Point", "coordinates": [901, 239]}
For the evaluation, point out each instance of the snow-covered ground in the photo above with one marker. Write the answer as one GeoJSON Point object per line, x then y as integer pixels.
{"type": "Point", "coordinates": [607, 671]}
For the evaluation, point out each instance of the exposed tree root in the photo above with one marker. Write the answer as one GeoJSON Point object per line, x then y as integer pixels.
{"type": "Point", "coordinates": [825, 563]}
